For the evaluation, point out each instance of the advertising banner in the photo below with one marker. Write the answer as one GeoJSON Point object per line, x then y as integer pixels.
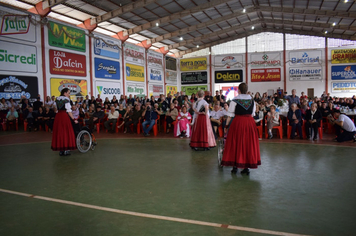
{"type": "Point", "coordinates": [13, 86]}
{"type": "Point", "coordinates": [171, 63]}
{"type": "Point", "coordinates": [78, 87]}
{"type": "Point", "coordinates": [107, 48]}
{"type": "Point", "coordinates": [344, 87]}
{"type": "Point", "coordinates": [154, 59]}
{"type": "Point", "coordinates": [171, 77]}
{"type": "Point", "coordinates": [343, 72]}
{"type": "Point", "coordinates": [171, 89]}
{"type": "Point", "coordinates": [307, 73]}
{"type": "Point", "coordinates": [17, 57]}
{"type": "Point", "coordinates": [194, 77]}
{"type": "Point", "coordinates": [230, 76]}
{"type": "Point", "coordinates": [264, 75]}
{"type": "Point", "coordinates": [65, 63]}
{"type": "Point", "coordinates": [189, 90]}
{"type": "Point", "coordinates": [155, 74]}
{"type": "Point", "coordinates": [305, 58]}
{"type": "Point", "coordinates": [67, 37]}
{"type": "Point", "coordinates": [107, 89]}
{"type": "Point", "coordinates": [106, 69]}
{"type": "Point", "coordinates": [155, 90]}
{"type": "Point", "coordinates": [272, 59]}
{"type": "Point", "coordinates": [343, 56]}
{"type": "Point", "coordinates": [18, 27]}
{"type": "Point", "coordinates": [228, 62]}
{"type": "Point", "coordinates": [135, 73]}
{"type": "Point", "coordinates": [134, 53]}
{"type": "Point", "coordinates": [136, 89]}
{"type": "Point", "coordinates": [193, 64]}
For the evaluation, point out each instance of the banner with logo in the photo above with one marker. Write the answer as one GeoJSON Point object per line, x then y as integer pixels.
{"type": "Point", "coordinates": [343, 72]}
{"type": "Point", "coordinates": [78, 87]}
{"type": "Point", "coordinates": [155, 90]}
{"type": "Point", "coordinates": [193, 64]}
{"type": "Point", "coordinates": [18, 57]}
{"type": "Point", "coordinates": [264, 75]}
{"type": "Point", "coordinates": [189, 90]}
{"type": "Point", "coordinates": [272, 59]}
{"type": "Point", "coordinates": [171, 89]}
{"type": "Point", "coordinates": [67, 37]}
{"type": "Point", "coordinates": [137, 89]}
{"type": "Point", "coordinates": [155, 74]}
{"type": "Point", "coordinates": [106, 69]}
{"type": "Point", "coordinates": [154, 59]}
{"type": "Point", "coordinates": [65, 63]}
{"type": "Point", "coordinates": [18, 27]}
{"type": "Point", "coordinates": [107, 89]}
{"type": "Point", "coordinates": [13, 86]}
{"type": "Point", "coordinates": [194, 77]}
{"type": "Point", "coordinates": [171, 77]}
{"type": "Point", "coordinates": [343, 56]}
{"type": "Point", "coordinates": [107, 48]}
{"type": "Point", "coordinates": [135, 73]}
{"type": "Point", "coordinates": [229, 76]}
{"type": "Point", "coordinates": [307, 73]}
{"type": "Point", "coordinates": [171, 63]}
{"type": "Point", "coordinates": [344, 87]}
{"type": "Point", "coordinates": [229, 61]}
{"type": "Point", "coordinates": [134, 53]}
{"type": "Point", "coordinates": [305, 58]}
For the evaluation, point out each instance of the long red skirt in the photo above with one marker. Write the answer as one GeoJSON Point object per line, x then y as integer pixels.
{"type": "Point", "coordinates": [242, 148]}
{"type": "Point", "coordinates": [202, 133]}
{"type": "Point", "coordinates": [63, 137]}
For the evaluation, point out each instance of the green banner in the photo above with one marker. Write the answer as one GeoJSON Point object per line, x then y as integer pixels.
{"type": "Point", "coordinates": [189, 90]}
{"type": "Point", "coordinates": [63, 36]}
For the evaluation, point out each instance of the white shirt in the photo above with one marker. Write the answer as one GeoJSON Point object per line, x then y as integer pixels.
{"type": "Point", "coordinates": [199, 104]}
{"type": "Point", "coordinates": [114, 115]}
{"type": "Point", "coordinates": [231, 111]}
{"type": "Point", "coordinates": [216, 114]}
{"type": "Point", "coordinates": [67, 105]}
{"type": "Point", "coordinates": [348, 125]}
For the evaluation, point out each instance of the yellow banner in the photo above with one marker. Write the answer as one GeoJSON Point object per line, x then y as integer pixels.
{"type": "Point", "coordinates": [193, 64]}
{"type": "Point", "coordinates": [343, 56]}
{"type": "Point", "coordinates": [78, 87]}
{"type": "Point", "coordinates": [135, 73]}
{"type": "Point", "coordinates": [171, 89]}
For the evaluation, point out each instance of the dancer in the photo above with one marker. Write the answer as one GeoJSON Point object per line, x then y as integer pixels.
{"type": "Point", "coordinates": [202, 133]}
{"type": "Point", "coordinates": [242, 149]}
{"type": "Point", "coordinates": [63, 138]}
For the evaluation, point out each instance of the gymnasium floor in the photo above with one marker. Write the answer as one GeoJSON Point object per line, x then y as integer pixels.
{"type": "Point", "coordinates": [158, 186]}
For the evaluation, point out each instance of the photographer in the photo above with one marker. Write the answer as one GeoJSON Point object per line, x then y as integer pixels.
{"type": "Point", "coordinates": [150, 114]}
{"type": "Point", "coordinates": [344, 123]}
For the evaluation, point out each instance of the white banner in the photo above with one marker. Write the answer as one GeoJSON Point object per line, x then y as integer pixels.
{"type": "Point", "coordinates": [155, 90]}
{"type": "Point", "coordinates": [305, 58]}
{"type": "Point", "coordinates": [171, 77]}
{"type": "Point", "coordinates": [305, 73]}
{"type": "Point", "coordinates": [18, 27]}
{"type": "Point", "coordinates": [262, 60]}
{"type": "Point", "coordinates": [228, 62]}
{"type": "Point", "coordinates": [135, 89]}
{"type": "Point", "coordinates": [107, 89]}
{"type": "Point", "coordinates": [154, 59]}
{"type": "Point", "coordinates": [107, 47]}
{"type": "Point", "coordinates": [156, 75]}
{"type": "Point", "coordinates": [134, 54]}
{"type": "Point", "coordinates": [344, 87]}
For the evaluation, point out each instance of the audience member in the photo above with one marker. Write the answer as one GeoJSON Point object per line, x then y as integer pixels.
{"type": "Point", "coordinates": [151, 114]}
{"type": "Point", "coordinates": [295, 120]}
{"type": "Point", "coordinates": [133, 118]}
{"type": "Point", "coordinates": [112, 118]}
{"type": "Point", "coordinates": [313, 118]}
{"type": "Point", "coordinates": [215, 119]}
{"type": "Point", "coordinates": [182, 129]}
{"type": "Point", "coordinates": [272, 120]}
{"type": "Point", "coordinates": [171, 116]}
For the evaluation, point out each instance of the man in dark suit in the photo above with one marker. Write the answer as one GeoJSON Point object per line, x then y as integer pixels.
{"type": "Point", "coordinates": [295, 120]}
{"type": "Point", "coordinates": [313, 117]}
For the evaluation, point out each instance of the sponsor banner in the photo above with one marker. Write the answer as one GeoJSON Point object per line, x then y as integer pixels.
{"type": "Point", "coordinates": [15, 24]}
{"type": "Point", "coordinates": [136, 89]}
{"type": "Point", "coordinates": [65, 63]}
{"type": "Point", "coordinates": [305, 58]}
{"type": "Point", "coordinates": [344, 87]}
{"type": "Point", "coordinates": [193, 64]}
{"type": "Point", "coordinates": [13, 86]}
{"type": "Point", "coordinates": [264, 75]}
{"type": "Point", "coordinates": [155, 74]}
{"type": "Point", "coordinates": [155, 90]}
{"type": "Point", "coordinates": [135, 73]}
{"type": "Point", "coordinates": [194, 77]}
{"type": "Point", "coordinates": [154, 59]}
{"type": "Point", "coordinates": [228, 62]}
{"type": "Point", "coordinates": [343, 72]}
{"type": "Point", "coordinates": [307, 73]}
{"type": "Point", "coordinates": [230, 76]}
{"type": "Point", "coordinates": [266, 59]}
{"type": "Point", "coordinates": [171, 77]}
{"type": "Point", "coordinates": [67, 37]}
{"type": "Point", "coordinates": [189, 90]}
{"type": "Point", "coordinates": [134, 53]}
{"type": "Point", "coordinates": [343, 56]}
{"type": "Point", "coordinates": [18, 57]}
{"type": "Point", "coordinates": [106, 69]}
{"type": "Point", "coordinates": [171, 89]}
{"type": "Point", "coordinates": [107, 48]}
{"type": "Point", "coordinates": [78, 87]}
{"type": "Point", "coordinates": [171, 63]}
{"type": "Point", "coordinates": [107, 89]}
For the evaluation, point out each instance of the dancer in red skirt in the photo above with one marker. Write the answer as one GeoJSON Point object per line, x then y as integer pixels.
{"type": "Point", "coordinates": [202, 132]}
{"type": "Point", "coordinates": [63, 138]}
{"type": "Point", "coordinates": [242, 149]}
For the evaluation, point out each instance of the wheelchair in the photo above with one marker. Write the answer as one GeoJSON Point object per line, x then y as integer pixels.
{"type": "Point", "coordinates": [85, 140]}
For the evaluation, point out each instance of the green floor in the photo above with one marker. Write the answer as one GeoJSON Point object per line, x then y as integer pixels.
{"type": "Point", "coordinates": [302, 189]}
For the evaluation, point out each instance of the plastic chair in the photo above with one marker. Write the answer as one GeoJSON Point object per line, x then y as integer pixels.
{"type": "Point", "coordinates": [279, 128]}
{"type": "Point", "coordinates": [13, 122]}
{"type": "Point", "coordinates": [138, 127]}
{"type": "Point", "coordinates": [101, 123]}
{"type": "Point", "coordinates": [320, 130]}
{"type": "Point", "coordinates": [155, 127]}
{"type": "Point", "coordinates": [259, 128]}
{"type": "Point", "coordinates": [289, 129]}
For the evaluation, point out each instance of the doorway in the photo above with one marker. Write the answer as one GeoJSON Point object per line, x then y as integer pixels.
{"type": "Point", "coordinates": [310, 93]}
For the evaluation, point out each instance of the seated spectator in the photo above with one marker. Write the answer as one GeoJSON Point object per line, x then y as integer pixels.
{"type": "Point", "coordinates": [182, 129]}
{"type": "Point", "coordinates": [152, 100]}
{"type": "Point", "coordinates": [37, 104]}
{"type": "Point", "coordinates": [114, 101]}
{"type": "Point", "coordinates": [208, 98]}
{"type": "Point", "coordinates": [130, 100]}
{"type": "Point", "coordinates": [133, 117]}
{"type": "Point", "coordinates": [215, 118]}
{"type": "Point", "coordinates": [258, 116]}
{"type": "Point", "coordinates": [351, 103]}
{"type": "Point", "coordinates": [186, 101]}
{"type": "Point", "coordinates": [176, 105]}
{"type": "Point", "coordinates": [304, 107]}
{"type": "Point", "coordinates": [30, 117]}
{"type": "Point", "coordinates": [40, 119]}
{"type": "Point", "coordinates": [107, 102]}
{"type": "Point", "coordinates": [313, 118]}
{"type": "Point", "coordinates": [121, 110]}
{"type": "Point", "coordinates": [331, 107]}
{"type": "Point", "coordinates": [112, 118]}
{"type": "Point", "coordinates": [325, 111]}
{"type": "Point", "coordinates": [11, 116]}
{"type": "Point", "coordinates": [75, 112]}
{"type": "Point", "coordinates": [303, 96]}
{"type": "Point", "coordinates": [343, 123]}
{"type": "Point", "coordinates": [107, 108]}
{"type": "Point", "coordinates": [272, 120]}
{"type": "Point", "coordinates": [99, 101]}
{"type": "Point", "coordinates": [95, 118]}
{"type": "Point", "coordinates": [151, 114]}
{"type": "Point", "coordinates": [12, 103]}
{"type": "Point", "coordinates": [295, 120]}
{"type": "Point", "coordinates": [122, 101]}
{"type": "Point", "coordinates": [193, 99]}
{"type": "Point", "coordinates": [264, 98]}
{"type": "Point", "coordinates": [48, 117]}
{"type": "Point", "coordinates": [92, 101]}
{"type": "Point", "coordinates": [48, 102]}
{"type": "Point", "coordinates": [257, 97]}
{"type": "Point", "coordinates": [163, 103]}
{"type": "Point", "coordinates": [3, 108]}
{"type": "Point", "coordinates": [171, 116]}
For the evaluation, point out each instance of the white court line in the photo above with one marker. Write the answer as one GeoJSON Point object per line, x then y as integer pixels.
{"type": "Point", "coordinates": [151, 216]}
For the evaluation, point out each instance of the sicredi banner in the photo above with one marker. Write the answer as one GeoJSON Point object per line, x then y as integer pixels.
{"type": "Point", "coordinates": [171, 89]}
{"type": "Point", "coordinates": [107, 89]}
{"type": "Point", "coordinates": [343, 72]}
{"type": "Point", "coordinates": [135, 73]}
{"type": "Point", "coordinates": [15, 24]}
{"type": "Point", "coordinates": [107, 48]}
{"type": "Point", "coordinates": [266, 59]}
{"type": "Point", "coordinates": [171, 77]}
{"type": "Point", "coordinates": [78, 87]}
{"type": "Point", "coordinates": [343, 56]}
{"type": "Point", "coordinates": [264, 75]}
{"type": "Point", "coordinates": [137, 89]}
{"type": "Point", "coordinates": [194, 77]}
{"type": "Point", "coordinates": [304, 58]}
{"type": "Point", "coordinates": [189, 90]}
{"type": "Point", "coordinates": [155, 90]}
{"type": "Point", "coordinates": [17, 57]}
{"type": "Point", "coordinates": [344, 87]}
{"type": "Point", "coordinates": [154, 59]}
{"type": "Point", "coordinates": [228, 62]}
{"type": "Point", "coordinates": [65, 63]}
{"type": "Point", "coordinates": [13, 86]}
{"type": "Point", "coordinates": [230, 76]}
{"type": "Point", "coordinates": [306, 73]}
{"type": "Point", "coordinates": [134, 53]}
{"type": "Point", "coordinates": [155, 74]}
{"type": "Point", "coordinates": [106, 69]}
{"type": "Point", "coordinates": [66, 37]}
{"type": "Point", "coordinates": [193, 64]}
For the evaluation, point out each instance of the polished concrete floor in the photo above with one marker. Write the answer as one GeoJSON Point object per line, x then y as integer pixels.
{"type": "Point", "coordinates": [299, 188]}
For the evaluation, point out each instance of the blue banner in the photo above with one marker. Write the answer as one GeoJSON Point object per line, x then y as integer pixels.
{"type": "Point", "coordinates": [343, 72]}
{"type": "Point", "coordinates": [108, 48]}
{"type": "Point", "coordinates": [107, 69]}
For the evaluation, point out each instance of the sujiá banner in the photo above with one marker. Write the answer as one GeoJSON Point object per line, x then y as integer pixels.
{"type": "Point", "coordinates": [170, 90]}
{"type": "Point", "coordinates": [137, 89]}
{"type": "Point", "coordinates": [228, 62]}
{"type": "Point", "coordinates": [306, 73]}
{"type": "Point", "coordinates": [171, 77]}
{"type": "Point", "coordinates": [107, 89]}
{"type": "Point", "coordinates": [155, 90]}
{"type": "Point", "coordinates": [193, 64]}
{"type": "Point", "coordinates": [344, 87]}
{"type": "Point", "coordinates": [189, 90]}
{"type": "Point", "coordinates": [107, 69]}
{"type": "Point", "coordinates": [134, 53]}
{"type": "Point", "coordinates": [230, 76]}
{"type": "Point", "coordinates": [343, 72]}
{"type": "Point", "coordinates": [135, 73]}
{"type": "Point", "coordinates": [107, 48]}
{"type": "Point", "coordinates": [264, 75]}
{"type": "Point", "coordinates": [194, 77]}
{"type": "Point", "coordinates": [13, 86]}
{"type": "Point", "coordinates": [65, 63]}
{"type": "Point", "coordinates": [154, 59]}
{"type": "Point", "coordinates": [78, 87]}
{"type": "Point", "coordinates": [343, 56]}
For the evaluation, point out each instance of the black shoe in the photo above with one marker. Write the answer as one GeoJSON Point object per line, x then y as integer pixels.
{"type": "Point", "coordinates": [270, 136]}
{"type": "Point", "coordinates": [245, 171]}
{"type": "Point", "coordinates": [308, 137]}
{"type": "Point", "coordinates": [314, 139]}
{"type": "Point", "coordinates": [234, 170]}
{"type": "Point", "coordinates": [206, 149]}
{"type": "Point", "coordinates": [301, 138]}
{"type": "Point", "coordinates": [66, 153]}
{"type": "Point", "coordinates": [61, 153]}
{"type": "Point", "coordinates": [196, 149]}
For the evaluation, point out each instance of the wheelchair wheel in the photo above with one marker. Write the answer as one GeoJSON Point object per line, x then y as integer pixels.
{"type": "Point", "coordinates": [220, 151]}
{"type": "Point", "coordinates": [84, 141]}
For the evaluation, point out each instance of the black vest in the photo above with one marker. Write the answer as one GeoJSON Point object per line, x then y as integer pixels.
{"type": "Point", "coordinates": [243, 106]}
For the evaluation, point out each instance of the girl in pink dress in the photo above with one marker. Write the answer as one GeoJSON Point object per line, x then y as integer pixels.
{"type": "Point", "coordinates": [182, 129]}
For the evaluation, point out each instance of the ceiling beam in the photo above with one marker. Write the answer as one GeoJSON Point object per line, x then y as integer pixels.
{"type": "Point", "coordinates": [51, 3]}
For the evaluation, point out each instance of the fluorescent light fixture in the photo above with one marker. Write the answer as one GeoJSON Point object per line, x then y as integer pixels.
{"type": "Point", "coordinates": [244, 10]}
{"type": "Point", "coordinates": [334, 24]}
{"type": "Point", "coordinates": [197, 46]}
{"type": "Point", "coordinates": [253, 27]}
{"type": "Point", "coordinates": [326, 32]}
{"type": "Point", "coordinates": [157, 24]}
{"type": "Point", "coordinates": [181, 38]}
